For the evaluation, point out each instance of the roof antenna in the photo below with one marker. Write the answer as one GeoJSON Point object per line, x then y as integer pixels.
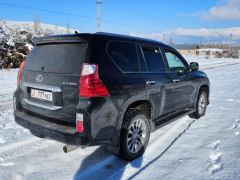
{"type": "Point", "coordinates": [76, 32]}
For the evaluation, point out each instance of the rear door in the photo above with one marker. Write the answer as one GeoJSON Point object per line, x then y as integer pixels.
{"type": "Point", "coordinates": [178, 72]}
{"type": "Point", "coordinates": [51, 79]}
{"type": "Point", "coordinates": [126, 82]}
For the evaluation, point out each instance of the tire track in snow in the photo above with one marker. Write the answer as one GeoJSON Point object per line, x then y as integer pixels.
{"type": "Point", "coordinates": [165, 149]}
{"type": "Point", "coordinates": [23, 148]}
{"type": "Point", "coordinates": [218, 63]}
{"type": "Point", "coordinates": [6, 164]}
{"type": "Point", "coordinates": [6, 106]}
{"type": "Point", "coordinates": [163, 144]}
{"type": "Point", "coordinates": [18, 144]}
{"type": "Point", "coordinates": [219, 66]}
{"type": "Point", "coordinates": [10, 94]}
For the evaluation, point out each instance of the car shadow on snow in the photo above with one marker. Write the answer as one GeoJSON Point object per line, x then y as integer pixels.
{"type": "Point", "coordinates": [101, 164]}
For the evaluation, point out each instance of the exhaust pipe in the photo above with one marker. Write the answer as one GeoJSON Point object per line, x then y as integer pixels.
{"type": "Point", "coordinates": [69, 148]}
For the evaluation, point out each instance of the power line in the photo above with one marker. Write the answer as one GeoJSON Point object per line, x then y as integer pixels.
{"type": "Point", "coordinates": [46, 10]}
{"type": "Point", "coordinates": [69, 14]}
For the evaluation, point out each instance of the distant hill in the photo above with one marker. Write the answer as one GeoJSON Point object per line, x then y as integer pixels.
{"type": "Point", "coordinates": [15, 39]}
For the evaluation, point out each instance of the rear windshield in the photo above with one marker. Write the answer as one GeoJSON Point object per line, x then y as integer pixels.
{"type": "Point", "coordinates": [57, 58]}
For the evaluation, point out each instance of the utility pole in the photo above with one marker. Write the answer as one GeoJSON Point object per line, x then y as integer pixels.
{"type": "Point", "coordinates": [99, 2]}
{"type": "Point", "coordinates": [164, 37]}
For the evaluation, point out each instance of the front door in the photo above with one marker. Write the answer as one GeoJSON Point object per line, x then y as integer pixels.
{"type": "Point", "coordinates": [178, 72]}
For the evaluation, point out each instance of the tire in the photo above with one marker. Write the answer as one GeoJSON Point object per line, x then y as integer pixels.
{"type": "Point", "coordinates": [135, 134]}
{"type": "Point", "coordinates": [201, 105]}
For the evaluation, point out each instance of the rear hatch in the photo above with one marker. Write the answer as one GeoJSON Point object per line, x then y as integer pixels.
{"type": "Point", "coordinates": [50, 80]}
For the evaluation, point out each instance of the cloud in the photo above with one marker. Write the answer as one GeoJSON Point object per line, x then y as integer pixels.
{"type": "Point", "coordinates": [208, 32]}
{"type": "Point", "coordinates": [188, 34]}
{"type": "Point", "coordinates": [224, 10]}
{"type": "Point", "coordinates": [158, 36]}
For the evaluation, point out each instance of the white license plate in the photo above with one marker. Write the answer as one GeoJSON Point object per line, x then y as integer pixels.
{"type": "Point", "coordinates": [39, 94]}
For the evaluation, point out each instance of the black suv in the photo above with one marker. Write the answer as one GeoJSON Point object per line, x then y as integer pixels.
{"type": "Point", "coordinates": [106, 89]}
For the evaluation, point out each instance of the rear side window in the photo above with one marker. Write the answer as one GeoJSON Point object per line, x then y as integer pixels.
{"type": "Point", "coordinates": [124, 54]}
{"type": "Point", "coordinates": [153, 59]}
{"type": "Point", "coordinates": [57, 58]}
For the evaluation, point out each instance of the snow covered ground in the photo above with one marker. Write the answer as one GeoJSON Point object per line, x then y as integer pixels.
{"type": "Point", "coordinates": [208, 148]}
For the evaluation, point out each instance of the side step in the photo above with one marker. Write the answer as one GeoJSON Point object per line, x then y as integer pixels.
{"type": "Point", "coordinates": [164, 120]}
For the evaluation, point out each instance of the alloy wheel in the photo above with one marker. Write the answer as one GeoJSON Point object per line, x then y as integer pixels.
{"type": "Point", "coordinates": [136, 136]}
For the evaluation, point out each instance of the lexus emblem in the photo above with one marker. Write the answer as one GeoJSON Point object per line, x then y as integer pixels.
{"type": "Point", "coordinates": [39, 78]}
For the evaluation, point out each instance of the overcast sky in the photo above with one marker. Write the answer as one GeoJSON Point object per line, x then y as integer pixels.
{"type": "Point", "coordinates": [184, 21]}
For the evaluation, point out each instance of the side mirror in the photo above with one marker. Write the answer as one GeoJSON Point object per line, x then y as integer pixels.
{"type": "Point", "coordinates": [194, 66]}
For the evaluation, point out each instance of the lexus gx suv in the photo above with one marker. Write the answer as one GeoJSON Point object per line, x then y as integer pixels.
{"type": "Point", "coordinates": [106, 89]}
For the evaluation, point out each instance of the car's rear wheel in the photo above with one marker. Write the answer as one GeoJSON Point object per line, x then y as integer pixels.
{"type": "Point", "coordinates": [201, 105]}
{"type": "Point", "coordinates": [135, 135]}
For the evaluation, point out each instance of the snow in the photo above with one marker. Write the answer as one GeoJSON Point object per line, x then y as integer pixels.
{"type": "Point", "coordinates": [29, 46]}
{"type": "Point", "coordinates": [10, 42]}
{"type": "Point", "coordinates": [211, 49]}
{"type": "Point", "coordinates": [11, 27]}
{"type": "Point", "coordinates": [16, 40]}
{"type": "Point", "coordinates": [207, 148]}
{"type": "Point", "coordinates": [2, 141]}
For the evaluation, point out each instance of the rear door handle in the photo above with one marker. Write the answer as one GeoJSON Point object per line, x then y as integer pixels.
{"type": "Point", "coordinates": [176, 80]}
{"type": "Point", "coordinates": [150, 82]}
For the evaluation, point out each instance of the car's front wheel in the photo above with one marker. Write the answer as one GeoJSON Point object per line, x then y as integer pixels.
{"type": "Point", "coordinates": [201, 105]}
{"type": "Point", "coordinates": [135, 135]}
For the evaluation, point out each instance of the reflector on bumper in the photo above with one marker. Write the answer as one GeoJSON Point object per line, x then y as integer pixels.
{"type": "Point", "coordinates": [79, 123]}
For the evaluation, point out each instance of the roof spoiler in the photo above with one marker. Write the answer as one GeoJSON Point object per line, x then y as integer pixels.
{"type": "Point", "coordinates": [58, 39]}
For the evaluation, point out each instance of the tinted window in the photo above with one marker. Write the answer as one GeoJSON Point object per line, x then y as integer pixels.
{"type": "Point", "coordinates": [124, 54]}
{"type": "Point", "coordinates": [142, 63]}
{"type": "Point", "coordinates": [153, 59]}
{"type": "Point", "coordinates": [58, 58]}
{"type": "Point", "coordinates": [174, 62]}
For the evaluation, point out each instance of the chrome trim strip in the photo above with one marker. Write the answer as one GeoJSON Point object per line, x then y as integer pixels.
{"type": "Point", "coordinates": [42, 86]}
{"type": "Point", "coordinates": [51, 107]}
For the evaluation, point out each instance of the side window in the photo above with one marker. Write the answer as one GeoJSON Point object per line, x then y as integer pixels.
{"type": "Point", "coordinates": [124, 54]}
{"type": "Point", "coordinates": [153, 59]}
{"type": "Point", "coordinates": [142, 63]}
{"type": "Point", "coordinates": [174, 62]}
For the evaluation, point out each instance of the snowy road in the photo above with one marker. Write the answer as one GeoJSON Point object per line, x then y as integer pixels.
{"type": "Point", "coordinates": [208, 148]}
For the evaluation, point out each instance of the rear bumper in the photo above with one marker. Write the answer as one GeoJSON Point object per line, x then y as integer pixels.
{"type": "Point", "coordinates": [46, 129]}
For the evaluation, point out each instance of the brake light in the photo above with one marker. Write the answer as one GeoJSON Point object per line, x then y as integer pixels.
{"type": "Point", "coordinates": [90, 84]}
{"type": "Point", "coordinates": [79, 123]}
{"type": "Point", "coordinates": [20, 72]}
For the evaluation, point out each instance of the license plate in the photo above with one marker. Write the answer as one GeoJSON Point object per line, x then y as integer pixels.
{"type": "Point", "coordinates": [43, 95]}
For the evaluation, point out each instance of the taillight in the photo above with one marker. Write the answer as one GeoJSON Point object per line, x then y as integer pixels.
{"type": "Point", "coordinates": [20, 72]}
{"type": "Point", "coordinates": [90, 84]}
